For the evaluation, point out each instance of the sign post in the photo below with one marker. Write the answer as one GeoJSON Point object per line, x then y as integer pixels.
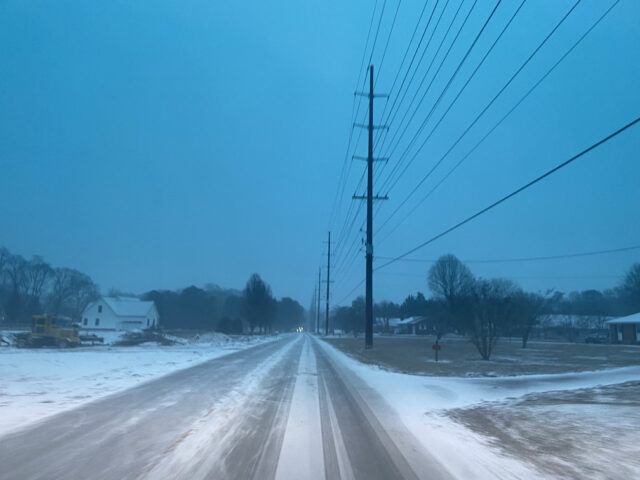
{"type": "Point", "coordinates": [436, 348]}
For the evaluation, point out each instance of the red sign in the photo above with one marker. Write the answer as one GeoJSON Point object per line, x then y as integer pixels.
{"type": "Point", "coordinates": [436, 346]}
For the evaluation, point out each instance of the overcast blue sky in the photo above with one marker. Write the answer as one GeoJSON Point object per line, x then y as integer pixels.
{"type": "Point", "coordinates": [158, 144]}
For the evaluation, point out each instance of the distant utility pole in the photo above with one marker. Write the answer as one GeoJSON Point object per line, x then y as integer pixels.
{"type": "Point", "coordinates": [368, 337]}
{"type": "Point", "coordinates": [312, 309]}
{"type": "Point", "coordinates": [318, 305]}
{"type": "Point", "coordinates": [326, 318]}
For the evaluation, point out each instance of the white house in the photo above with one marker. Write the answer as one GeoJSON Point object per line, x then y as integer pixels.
{"type": "Point", "coordinates": [412, 325]}
{"type": "Point", "coordinates": [386, 324]}
{"type": "Point", "coordinates": [120, 313]}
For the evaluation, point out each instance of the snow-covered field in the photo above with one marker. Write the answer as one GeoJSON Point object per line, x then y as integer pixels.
{"type": "Point", "coordinates": [570, 425]}
{"type": "Point", "coordinates": [585, 433]}
{"type": "Point", "coordinates": [36, 383]}
{"type": "Point", "coordinates": [433, 408]}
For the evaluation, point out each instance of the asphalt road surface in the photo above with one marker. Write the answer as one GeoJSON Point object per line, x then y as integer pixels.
{"type": "Point", "coordinates": [286, 410]}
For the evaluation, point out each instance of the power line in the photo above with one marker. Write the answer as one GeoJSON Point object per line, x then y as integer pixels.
{"type": "Point", "coordinates": [350, 292]}
{"type": "Point", "coordinates": [527, 259]}
{"type": "Point", "coordinates": [516, 277]}
{"type": "Point", "coordinates": [426, 74]}
{"type": "Point", "coordinates": [463, 87]}
{"type": "Point", "coordinates": [438, 100]}
{"type": "Point", "coordinates": [496, 125]}
{"type": "Point", "coordinates": [347, 228]}
{"type": "Point", "coordinates": [406, 52]}
{"type": "Point", "coordinates": [404, 79]}
{"type": "Point", "coordinates": [352, 255]}
{"type": "Point", "coordinates": [512, 194]}
{"type": "Point", "coordinates": [375, 39]}
{"type": "Point", "coordinates": [364, 83]}
{"type": "Point", "coordinates": [386, 45]}
{"type": "Point", "coordinates": [484, 110]}
{"type": "Point", "coordinates": [354, 113]}
{"type": "Point", "coordinates": [390, 119]}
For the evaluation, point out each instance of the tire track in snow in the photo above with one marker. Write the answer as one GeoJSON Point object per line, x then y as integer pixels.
{"type": "Point", "coordinates": [124, 435]}
{"type": "Point", "coordinates": [376, 443]}
{"type": "Point", "coordinates": [241, 435]}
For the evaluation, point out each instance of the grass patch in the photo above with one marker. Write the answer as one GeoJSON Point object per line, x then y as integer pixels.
{"type": "Point", "coordinates": [460, 358]}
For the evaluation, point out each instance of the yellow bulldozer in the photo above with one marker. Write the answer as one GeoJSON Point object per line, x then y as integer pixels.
{"type": "Point", "coordinates": [49, 331]}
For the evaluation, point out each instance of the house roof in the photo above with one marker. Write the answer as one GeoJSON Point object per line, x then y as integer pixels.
{"type": "Point", "coordinates": [127, 306]}
{"type": "Point", "coordinates": [411, 320]}
{"type": "Point", "coordinates": [559, 319]}
{"type": "Point", "coordinates": [393, 322]}
{"type": "Point", "coordinates": [635, 318]}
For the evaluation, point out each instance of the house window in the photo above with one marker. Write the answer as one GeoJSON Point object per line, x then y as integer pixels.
{"type": "Point", "coordinates": [147, 322]}
{"type": "Point", "coordinates": [85, 321]}
{"type": "Point", "coordinates": [97, 322]}
{"type": "Point", "coordinates": [99, 308]}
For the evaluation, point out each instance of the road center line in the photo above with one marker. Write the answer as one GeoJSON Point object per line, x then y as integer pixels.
{"type": "Point", "coordinates": [302, 455]}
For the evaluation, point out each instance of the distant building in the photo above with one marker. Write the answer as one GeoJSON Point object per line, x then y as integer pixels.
{"type": "Point", "coordinates": [625, 329]}
{"type": "Point", "coordinates": [413, 326]}
{"type": "Point", "coordinates": [386, 325]}
{"type": "Point", "coordinates": [568, 320]}
{"type": "Point", "coordinates": [418, 325]}
{"type": "Point", "coordinates": [120, 313]}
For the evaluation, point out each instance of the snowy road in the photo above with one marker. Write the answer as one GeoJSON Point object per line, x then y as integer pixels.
{"type": "Point", "coordinates": [288, 409]}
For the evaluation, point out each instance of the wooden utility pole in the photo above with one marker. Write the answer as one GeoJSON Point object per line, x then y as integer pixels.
{"type": "Point", "coordinates": [326, 317]}
{"type": "Point", "coordinates": [318, 308]}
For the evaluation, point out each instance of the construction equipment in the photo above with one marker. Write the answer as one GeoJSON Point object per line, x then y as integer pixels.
{"type": "Point", "coordinates": [49, 331]}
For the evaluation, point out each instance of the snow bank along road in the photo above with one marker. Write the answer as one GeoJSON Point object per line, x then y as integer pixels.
{"type": "Point", "coordinates": [287, 409]}
{"type": "Point", "coordinates": [37, 383]}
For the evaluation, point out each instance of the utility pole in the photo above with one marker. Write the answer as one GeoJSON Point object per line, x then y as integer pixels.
{"type": "Point", "coordinates": [312, 309]}
{"type": "Point", "coordinates": [318, 301]}
{"type": "Point", "coordinates": [368, 335]}
{"type": "Point", "coordinates": [326, 318]}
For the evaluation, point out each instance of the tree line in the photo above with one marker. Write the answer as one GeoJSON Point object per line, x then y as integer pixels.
{"type": "Point", "coordinates": [486, 309]}
{"type": "Point", "coordinates": [32, 286]}
{"type": "Point", "coordinates": [254, 309]}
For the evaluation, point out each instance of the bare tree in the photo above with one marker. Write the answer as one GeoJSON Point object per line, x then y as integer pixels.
{"type": "Point", "coordinates": [15, 271]}
{"type": "Point", "coordinates": [37, 275]}
{"type": "Point", "coordinates": [4, 288]}
{"type": "Point", "coordinates": [25, 284]}
{"type": "Point", "coordinates": [4, 259]}
{"type": "Point", "coordinates": [631, 287]}
{"type": "Point", "coordinates": [526, 312]}
{"type": "Point", "coordinates": [71, 292]}
{"type": "Point", "coordinates": [386, 310]}
{"type": "Point", "coordinates": [452, 282]}
{"type": "Point", "coordinates": [492, 305]}
{"type": "Point", "coordinates": [450, 279]}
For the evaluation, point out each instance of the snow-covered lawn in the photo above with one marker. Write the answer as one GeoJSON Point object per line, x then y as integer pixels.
{"type": "Point", "coordinates": [585, 433]}
{"type": "Point", "coordinates": [36, 383]}
{"type": "Point", "coordinates": [433, 409]}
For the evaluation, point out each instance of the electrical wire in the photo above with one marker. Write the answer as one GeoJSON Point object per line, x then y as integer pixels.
{"type": "Point", "coordinates": [512, 194]}
{"type": "Point", "coordinates": [497, 124]}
